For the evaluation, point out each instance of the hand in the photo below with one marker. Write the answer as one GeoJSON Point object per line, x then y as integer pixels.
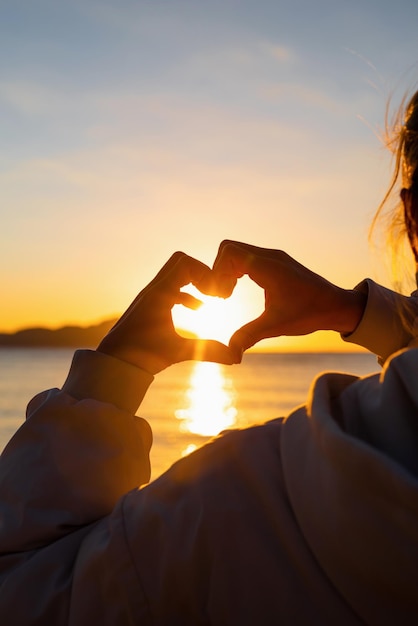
{"type": "Point", "coordinates": [297, 301]}
{"type": "Point", "coordinates": [145, 334]}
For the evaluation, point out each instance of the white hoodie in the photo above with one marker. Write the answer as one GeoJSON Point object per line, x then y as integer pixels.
{"type": "Point", "coordinates": [312, 519]}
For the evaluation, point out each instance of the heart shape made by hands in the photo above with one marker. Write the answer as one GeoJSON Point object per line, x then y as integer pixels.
{"type": "Point", "coordinates": [218, 318]}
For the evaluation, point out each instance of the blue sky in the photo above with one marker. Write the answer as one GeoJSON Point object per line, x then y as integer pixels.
{"type": "Point", "coordinates": [131, 129]}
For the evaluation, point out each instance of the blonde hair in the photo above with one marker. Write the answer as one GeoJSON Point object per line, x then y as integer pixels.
{"type": "Point", "coordinates": [401, 138]}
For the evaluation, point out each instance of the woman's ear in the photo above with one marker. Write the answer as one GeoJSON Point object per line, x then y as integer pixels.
{"type": "Point", "coordinates": [406, 197]}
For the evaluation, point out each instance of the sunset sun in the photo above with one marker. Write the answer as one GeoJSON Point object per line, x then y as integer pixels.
{"type": "Point", "coordinates": [219, 318]}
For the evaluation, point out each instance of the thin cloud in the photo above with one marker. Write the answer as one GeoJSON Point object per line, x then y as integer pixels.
{"type": "Point", "coordinates": [38, 99]}
{"type": "Point", "coordinates": [278, 52]}
{"type": "Point", "coordinates": [26, 98]}
{"type": "Point", "coordinates": [307, 95]}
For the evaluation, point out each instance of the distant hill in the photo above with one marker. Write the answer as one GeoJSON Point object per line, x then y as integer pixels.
{"type": "Point", "coordinates": [65, 337]}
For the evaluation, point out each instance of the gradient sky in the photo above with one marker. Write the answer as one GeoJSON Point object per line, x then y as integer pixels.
{"type": "Point", "coordinates": [131, 129]}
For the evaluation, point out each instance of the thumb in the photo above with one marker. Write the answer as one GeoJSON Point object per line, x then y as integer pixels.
{"type": "Point", "coordinates": [209, 350]}
{"type": "Point", "coordinates": [250, 334]}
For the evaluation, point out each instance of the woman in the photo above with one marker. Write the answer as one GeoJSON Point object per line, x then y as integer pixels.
{"type": "Point", "coordinates": [310, 519]}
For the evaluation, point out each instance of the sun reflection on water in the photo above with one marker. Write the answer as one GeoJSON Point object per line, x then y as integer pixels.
{"type": "Point", "coordinates": [210, 399]}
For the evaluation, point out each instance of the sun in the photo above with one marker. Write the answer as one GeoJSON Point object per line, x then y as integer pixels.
{"type": "Point", "coordinates": [218, 318]}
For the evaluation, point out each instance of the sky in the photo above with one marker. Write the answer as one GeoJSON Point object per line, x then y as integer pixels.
{"type": "Point", "coordinates": [130, 129]}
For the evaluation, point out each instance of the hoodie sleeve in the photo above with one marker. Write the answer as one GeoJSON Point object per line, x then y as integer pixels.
{"type": "Point", "coordinates": [80, 449]}
{"type": "Point", "coordinates": [387, 324]}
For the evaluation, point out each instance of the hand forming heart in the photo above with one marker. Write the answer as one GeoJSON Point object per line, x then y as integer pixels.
{"type": "Point", "coordinates": [296, 302]}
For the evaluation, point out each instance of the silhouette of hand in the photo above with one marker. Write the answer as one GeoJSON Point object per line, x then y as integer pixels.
{"type": "Point", "coordinates": [145, 335]}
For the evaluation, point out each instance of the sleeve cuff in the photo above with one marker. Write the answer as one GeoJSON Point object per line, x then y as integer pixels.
{"type": "Point", "coordinates": [387, 320]}
{"type": "Point", "coordinates": [107, 379]}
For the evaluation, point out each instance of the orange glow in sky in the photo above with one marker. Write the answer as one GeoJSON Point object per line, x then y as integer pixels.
{"type": "Point", "coordinates": [131, 130]}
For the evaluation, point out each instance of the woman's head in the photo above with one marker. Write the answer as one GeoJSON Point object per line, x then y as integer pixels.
{"type": "Point", "coordinates": [409, 146]}
{"type": "Point", "coordinates": [402, 140]}
{"type": "Point", "coordinates": [409, 162]}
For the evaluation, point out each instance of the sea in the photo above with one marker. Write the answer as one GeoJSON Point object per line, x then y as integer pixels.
{"type": "Point", "coordinates": [188, 403]}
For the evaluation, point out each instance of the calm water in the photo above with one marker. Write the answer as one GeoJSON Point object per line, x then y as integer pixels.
{"type": "Point", "coordinates": [189, 402]}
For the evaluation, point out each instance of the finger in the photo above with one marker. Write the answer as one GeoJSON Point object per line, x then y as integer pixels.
{"type": "Point", "coordinates": [240, 253]}
{"type": "Point", "coordinates": [180, 270]}
{"type": "Point", "coordinates": [250, 334]}
{"type": "Point", "coordinates": [187, 300]}
{"type": "Point", "coordinates": [248, 248]}
{"type": "Point", "coordinates": [234, 259]}
{"type": "Point", "coordinates": [225, 268]}
{"type": "Point", "coordinates": [166, 268]}
{"type": "Point", "coordinates": [210, 350]}
{"type": "Point", "coordinates": [183, 271]}
{"type": "Point", "coordinates": [209, 284]}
